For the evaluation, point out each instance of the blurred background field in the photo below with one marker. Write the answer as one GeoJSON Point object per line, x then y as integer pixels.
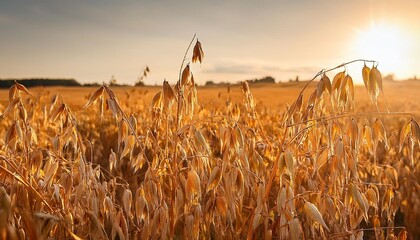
{"type": "Point", "coordinates": [402, 96]}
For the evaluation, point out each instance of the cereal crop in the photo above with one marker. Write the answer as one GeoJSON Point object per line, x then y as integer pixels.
{"type": "Point", "coordinates": [174, 168]}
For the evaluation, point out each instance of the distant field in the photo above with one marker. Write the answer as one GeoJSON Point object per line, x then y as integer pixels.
{"type": "Point", "coordinates": [401, 96]}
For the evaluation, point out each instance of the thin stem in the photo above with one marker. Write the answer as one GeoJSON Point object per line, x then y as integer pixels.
{"type": "Point", "coordinates": [332, 69]}
{"type": "Point", "coordinates": [18, 176]}
{"type": "Point", "coordinates": [227, 163]}
{"type": "Point", "coordinates": [185, 57]}
{"type": "Point", "coordinates": [174, 165]}
{"type": "Point", "coordinates": [125, 118]}
{"type": "Point", "coordinates": [351, 115]}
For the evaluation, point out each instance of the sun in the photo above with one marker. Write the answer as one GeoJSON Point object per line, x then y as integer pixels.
{"type": "Point", "coordinates": [385, 43]}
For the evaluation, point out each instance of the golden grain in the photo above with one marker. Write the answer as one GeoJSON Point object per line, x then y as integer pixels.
{"type": "Point", "coordinates": [235, 170]}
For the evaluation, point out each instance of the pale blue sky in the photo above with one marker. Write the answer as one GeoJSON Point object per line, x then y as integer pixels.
{"type": "Point", "coordinates": [93, 40]}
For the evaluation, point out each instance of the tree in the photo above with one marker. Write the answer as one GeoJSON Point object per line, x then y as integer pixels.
{"type": "Point", "coordinates": [113, 81]}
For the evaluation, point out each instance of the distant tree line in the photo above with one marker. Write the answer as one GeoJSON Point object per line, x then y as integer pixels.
{"type": "Point", "coordinates": [267, 79]}
{"type": "Point", "coordinates": [33, 82]}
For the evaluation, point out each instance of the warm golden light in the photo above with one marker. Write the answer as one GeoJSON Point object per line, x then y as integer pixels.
{"type": "Point", "coordinates": [386, 44]}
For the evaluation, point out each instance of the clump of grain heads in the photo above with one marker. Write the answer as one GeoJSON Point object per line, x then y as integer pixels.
{"type": "Point", "coordinates": [317, 170]}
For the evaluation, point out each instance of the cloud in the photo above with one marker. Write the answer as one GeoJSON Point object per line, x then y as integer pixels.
{"type": "Point", "coordinates": [255, 67]}
{"type": "Point", "coordinates": [310, 69]}
{"type": "Point", "coordinates": [231, 68]}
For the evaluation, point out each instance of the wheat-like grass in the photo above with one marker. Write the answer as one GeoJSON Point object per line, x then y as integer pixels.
{"type": "Point", "coordinates": [175, 169]}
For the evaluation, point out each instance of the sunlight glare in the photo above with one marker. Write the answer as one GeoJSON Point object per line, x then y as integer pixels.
{"type": "Point", "coordinates": [386, 44]}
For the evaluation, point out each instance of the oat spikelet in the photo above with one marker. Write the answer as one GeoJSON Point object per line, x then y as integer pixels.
{"type": "Point", "coordinates": [357, 196]}
{"type": "Point", "coordinates": [186, 73]}
{"type": "Point", "coordinates": [12, 92]}
{"type": "Point", "coordinates": [256, 221]}
{"type": "Point", "coordinates": [403, 235]}
{"type": "Point", "coordinates": [338, 78]}
{"type": "Point", "coordinates": [128, 146]}
{"type": "Point", "coordinates": [127, 199]}
{"type": "Point", "coordinates": [5, 209]}
{"type": "Point", "coordinates": [295, 229]}
{"type": "Point", "coordinates": [320, 88]}
{"type": "Point", "coordinates": [290, 163]}
{"type": "Point", "coordinates": [379, 132]}
{"type": "Point", "coordinates": [97, 94]}
{"type": "Point", "coordinates": [157, 100]}
{"type": "Point", "coordinates": [374, 84]}
{"type": "Point", "coordinates": [20, 87]}
{"type": "Point", "coordinates": [365, 76]}
{"type": "Point", "coordinates": [327, 83]}
{"type": "Point", "coordinates": [415, 132]}
{"type": "Point", "coordinates": [58, 112]}
{"type": "Point", "coordinates": [321, 159]}
{"type": "Point", "coordinates": [313, 213]}
{"type": "Point", "coordinates": [168, 94]}
{"type": "Point", "coordinates": [193, 184]}
{"type": "Point", "coordinates": [201, 141]}
{"type": "Point", "coordinates": [198, 53]}
{"type": "Point", "coordinates": [11, 134]}
{"type": "Point", "coordinates": [372, 198]}
{"type": "Point", "coordinates": [405, 131]}
{"type": "Point", "coordinates": [215, 177]}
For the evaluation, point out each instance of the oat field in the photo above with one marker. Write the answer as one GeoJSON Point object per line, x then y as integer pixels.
{"type": "Point", "coordinates": [314, 160]}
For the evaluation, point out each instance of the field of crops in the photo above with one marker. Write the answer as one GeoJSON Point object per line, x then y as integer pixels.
{"type": "Point", "coordinates": [279, 161]}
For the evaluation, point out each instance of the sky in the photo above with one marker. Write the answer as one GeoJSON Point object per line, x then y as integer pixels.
{"type": "Point", "coordinates": [92, 41]}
